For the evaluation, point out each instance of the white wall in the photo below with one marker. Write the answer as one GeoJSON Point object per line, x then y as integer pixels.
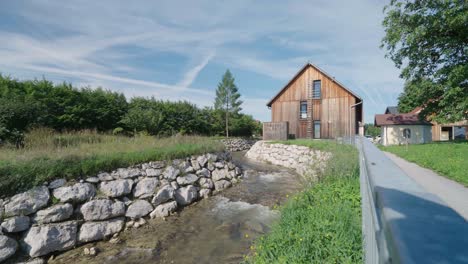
{"type": "Point", "coordinates": [393, 134]}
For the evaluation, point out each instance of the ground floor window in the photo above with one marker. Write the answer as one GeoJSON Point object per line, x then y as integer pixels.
{"type": "Point", "coordinates": [317, 129]}
{"type": "Point", "coordinates": [407, 133]}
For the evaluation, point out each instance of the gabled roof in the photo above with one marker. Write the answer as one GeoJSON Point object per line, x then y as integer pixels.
{"type": "Point", "coordinates": [308, 64]}
{"type": "Point", "coordinates": [399, 119]}
{"type": "Point", "coordinates": [392, 110]}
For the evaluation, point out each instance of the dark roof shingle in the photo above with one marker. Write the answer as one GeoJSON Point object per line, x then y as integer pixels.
{"type": "Point", "coordinates": [399, 119]}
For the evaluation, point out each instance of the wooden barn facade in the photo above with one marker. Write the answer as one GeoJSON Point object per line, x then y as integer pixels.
{"type": "Point", "coordinates": [315, 105]}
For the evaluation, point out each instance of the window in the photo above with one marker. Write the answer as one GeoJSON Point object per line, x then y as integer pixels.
{"type": "Point", "coordinates": [316, 129]}
{"type": "Point", "coordinates": [407, 133]}
{"type": "Point", "coordinates": [317, 89]}
{"type": "Point", "coordinates": [303, 110]}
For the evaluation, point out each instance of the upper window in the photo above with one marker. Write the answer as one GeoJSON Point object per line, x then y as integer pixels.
{"type": "Point", "coordinates": [317, 89]}
{"type": "Point", "coordinates": [303, 110]}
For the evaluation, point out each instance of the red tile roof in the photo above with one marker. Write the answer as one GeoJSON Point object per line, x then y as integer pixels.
{"type": "Point", "coordinates": [399, 119]}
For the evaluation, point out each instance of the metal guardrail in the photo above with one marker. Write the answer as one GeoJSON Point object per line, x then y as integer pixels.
{"type": "Point", "coordinates": [401, 222]}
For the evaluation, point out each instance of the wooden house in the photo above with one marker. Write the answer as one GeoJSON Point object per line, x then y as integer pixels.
{"type": "Point", "coordinates": [315, 105]}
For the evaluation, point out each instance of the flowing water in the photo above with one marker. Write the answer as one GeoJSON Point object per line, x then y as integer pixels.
{"type": "Point", "coordinates": [219, 229]}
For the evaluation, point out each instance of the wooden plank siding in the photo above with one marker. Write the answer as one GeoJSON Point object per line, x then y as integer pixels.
{"type": "Point", "coordinates": [332, 109]}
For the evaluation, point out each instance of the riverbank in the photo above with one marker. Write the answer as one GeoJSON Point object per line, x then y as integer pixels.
{"type": "Point", "coordinates": [322, 223]}
{"type": "Point", "coordinates": [48, 156]}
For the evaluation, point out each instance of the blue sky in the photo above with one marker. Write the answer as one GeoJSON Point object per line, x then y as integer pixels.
{"type": "Point", "coordinates": [178, 50]}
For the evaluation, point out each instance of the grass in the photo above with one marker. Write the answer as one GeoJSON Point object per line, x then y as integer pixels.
{"type": "Point", "coordinates": [446, 158]}
{"type": "Point", "coordinates": [48, 156]}
{"type": "Point", "coordinates": [321, 224]}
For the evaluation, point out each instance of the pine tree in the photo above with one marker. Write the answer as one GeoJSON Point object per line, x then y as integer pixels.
{"type": "Point", "coordinates": [227, 98]}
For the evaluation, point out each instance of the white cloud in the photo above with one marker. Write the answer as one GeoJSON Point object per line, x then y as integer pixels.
{"type": "Point", "coordinates": [81, 40]}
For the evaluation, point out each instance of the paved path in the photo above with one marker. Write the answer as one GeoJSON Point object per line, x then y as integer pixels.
{"type": "Point", "coordinates": [451, 192]}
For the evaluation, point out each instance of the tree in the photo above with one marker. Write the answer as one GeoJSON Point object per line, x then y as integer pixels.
{"type": "Point", "coordinates": [428, 40]}
{"type": "Point", "coordinates": [370, 129]}
{"type": "Point", "coordinates": [227, 98]}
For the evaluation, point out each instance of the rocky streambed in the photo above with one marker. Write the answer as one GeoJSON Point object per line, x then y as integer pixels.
{"type": "Point", "coordinates": [219, 229]}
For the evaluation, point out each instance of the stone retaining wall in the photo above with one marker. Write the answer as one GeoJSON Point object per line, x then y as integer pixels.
{"type": "Point", "coordinates": [61, 215]}
{"type": "Point", "coordinates": [238, 144]}
{"type": "Point", "coordinates": [306, 161]}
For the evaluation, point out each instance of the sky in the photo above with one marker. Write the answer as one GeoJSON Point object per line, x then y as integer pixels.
{"type": "Point", "coordinates": [179, 50]}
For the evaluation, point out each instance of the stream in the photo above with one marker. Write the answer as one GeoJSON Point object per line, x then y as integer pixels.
{"type": "Point", "coordinates": [219, 229]}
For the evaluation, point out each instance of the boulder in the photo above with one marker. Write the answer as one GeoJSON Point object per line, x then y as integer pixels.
{"type": "Point", "coordinates": [186, 195]}
{"type": "Point", "coordinates": [189, 169]}
{"type": "Point", "coordinates": [57, 183]}
{"type": "Point", "coordinates": [174, 185]}
{"type": "Point", "coordinates": [194, 162]}
{"type": "Point", "coordinates": [171, 173]}
{"type": "Point", "coordinates": [44, 239]}
{"type": "Point", "coordinates": [158, 164]}
{"type": "Point", "coordinates": [8, 247]}
{"type": "Point", "coordinates": [125, 173]}
{"type": "Point", "coordinates": [206, 183]}
{"type": "Point", "coordinates": [105, 176]}
{"type": "Point", "coordinates": [153, 172]}
{"type": "Point", "coordinates": [204, 173]}
{"type": "Point", "coordinates": [222, 184]}
{"type": "Point", "coordinates": [27, 202]}
{"type": "Point", "coordinates": [220, 174]}
{"type": "Point", "coordinates": [16, 224]}
{"type": "Point", "coordinates": [204, 193]}
{"type": "Point", "coordinates": [202, 160]}
{"type": "Point", "coordinates": [210, 166]}
{"type": "Point", "coordinates": [212, 157]}
{"type": "Point", "coordinates": [219, 165]}
{"type": "Point", "coordinates": [102, 209]}
{"type": "Point", "coordinates": [164, 194]}
{"type": "Point", "coordinates": [55, 213]}
{"type": "Point", "coordinates": [93, 231]}
{"type": "Point", "coordinates": [164, 210]}
{"type": "Point", "coordinates": [116, 188]}
{"type": "Point", "coordinates": [92, 179]}
{"type": "Point", "coordinates": [76, 193]}
{"type": "Point", "coordinates": [146, 187]}
{"type": "Point", "coordinates": [139, 208]}
{"type": "Point", "coordinates": [188, 179]}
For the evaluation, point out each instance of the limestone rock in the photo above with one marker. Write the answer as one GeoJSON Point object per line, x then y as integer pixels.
{"type": "Point", "coordinates": [33, 261]}
{"type": "Point", "coordinates": [104, 176]}
{"type": "Point", "coordinates": [158, 164]}
{"type": "Point", "coordinates": [187, 179]}
{"type": "Point", "coordinates": [55, 213]}
{"type": "Point", "coordinates": [206, 183]}
{"type": "Point", "coordinates": [44, 239]}
{"type": "Point", "coordinates": [139, 208]}
{"type": "Point", "coordinates": [27, 202]}
{"type": "Point", "coordinates": [76, 193]}
{"type": "Point", "coordinates": [204, 193]}
{"type": "Point", "coordinates": [202, 160]}
{"type": "Point", "coordinates": [220, 174]}
{"type": "Point", "coordinates": [175, 185]}
{"type": "Point", "coordinates": [116, 188]}
{"type": "Point", "coordinates": [8, 247]}
{"type": "Point", "coordinates": [219, 165]}
{"type": "Point", "coordinates": [164, 210]}
{"type": "Point", "coordinates": [164, 194]}
{"type": "Point", "coordinates": [204, 173]}
{"type": "Point", "coordinates": [125, 173]}
{"type": "Point", "coordinates": [212, 157]}
{"type": "Point", "coordinates": [210, 166]}
{"type": "Point", "coordinates": [102, 209]}
{"type": "Point", "coordinates": [93, 231]}
{"type": "Point", "coordinates": [186, 195]}
{"type": "Point", "coordinates": [171, 173]}
{"type": "Point", "coordinates": [222, 184]}
{"type": "Point", "coordinates": [238, 171]}
{"type": "Point", "coordinates": [153, 172]}
{"type": "Point", "coordinates": [146, 187]}
{"type": "Point", "coordinates": [16, 224]}
{"type": "Point", "coordinates": [57, 183]}
{"type": "Point", "coordinates": [194, 163]}
{"type": "Point", "coordinates": [92, 179]}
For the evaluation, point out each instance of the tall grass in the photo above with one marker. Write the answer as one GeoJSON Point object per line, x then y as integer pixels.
{"type": "Point", "coordinates": [321, 224]}
{"type": "Point", "coordinates": [446, 158]}
{"type": "Point", "coordinates": [47, 155]}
